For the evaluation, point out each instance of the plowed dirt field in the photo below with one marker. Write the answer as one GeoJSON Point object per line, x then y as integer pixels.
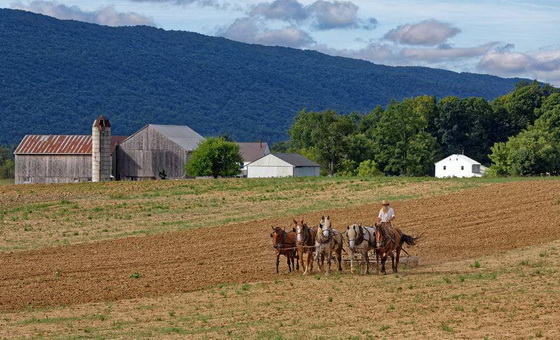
{"type": "Point", "coordinates": [468, 224]}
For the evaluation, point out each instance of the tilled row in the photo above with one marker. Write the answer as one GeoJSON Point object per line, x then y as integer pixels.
{"type": "Point", "coordinates": [466, 224]}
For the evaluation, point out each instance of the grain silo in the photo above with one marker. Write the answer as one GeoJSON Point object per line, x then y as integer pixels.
{"type": "Point", "coordinates": [101, 150]}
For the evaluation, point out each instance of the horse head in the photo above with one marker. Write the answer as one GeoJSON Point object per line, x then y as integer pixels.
{"type": "Point", "coordinates": [352, 233]}
{"type": "Point", "coordinates": [278, 237]}
{"type": "Point", "coordinates": [300, 230]}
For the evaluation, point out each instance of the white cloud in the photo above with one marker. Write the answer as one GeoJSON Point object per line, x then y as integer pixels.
{"type": "Point", "coordinates": [321, 14]}
{"type": "Point", "coordinates": [286, 10]}
{"type": "Point", "coordinates": [542, 65]}
{"type": "Point", "coordinates": [250, 30]}
{"type": "Point", "coordinates": [104, 16]}
{"type": "Point", "coordinates": [446, 53]}
{"type": "Point", "coordinates": [202, 3]}
{"type": "Point", "coordinates": [427, 33]}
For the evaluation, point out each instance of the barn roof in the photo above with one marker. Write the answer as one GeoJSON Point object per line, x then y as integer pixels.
{"type": "Point", "coordinates": [461, 157]}
{"type": "Point", "coordinates": [60, 144]}
{"type": "Point", "coordinates": [253, 151]}
{"type": "Point", "coordinates": [295, 159]}
{"type": "Point", "coordinates": [183, 135]}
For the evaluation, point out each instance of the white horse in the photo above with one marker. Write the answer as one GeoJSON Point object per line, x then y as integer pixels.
{"type": "Point", "coordinates": [360, 240]}
{"type": "Point", "coordinates": [327, 242]}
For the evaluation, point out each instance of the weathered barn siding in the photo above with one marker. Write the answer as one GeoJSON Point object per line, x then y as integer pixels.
{"type": "Point", "coordinates": [147, 152]}
{"type": "Point", "coordinates": [52, 168]}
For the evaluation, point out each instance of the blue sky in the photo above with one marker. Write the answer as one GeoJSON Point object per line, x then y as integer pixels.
{"type": "Point", "coordinates": [500, 37]}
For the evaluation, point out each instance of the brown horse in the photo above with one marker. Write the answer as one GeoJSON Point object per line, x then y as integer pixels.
{"type": "Point", "coordinates": [285, 244]}
{"type": "Point", "coordinates": [305, 244]}
{"type": "Point", "coordinates": [389, 243]}
{"type": "Point", "coordinates": [327, 242]}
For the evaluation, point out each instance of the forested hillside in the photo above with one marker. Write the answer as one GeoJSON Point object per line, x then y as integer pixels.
{"type": "Point", "coordinates": [57, 76]}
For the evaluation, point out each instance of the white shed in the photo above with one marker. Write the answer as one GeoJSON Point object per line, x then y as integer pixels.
{"type": "Point", "coordinates": [282, 165]}
{"type": "Point", "coordinates": [459, 166]}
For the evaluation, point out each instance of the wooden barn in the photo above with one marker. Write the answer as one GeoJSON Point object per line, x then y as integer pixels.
{"type": "Point", "coordinates": [156, 151]}
{"type": "Point", "coordinates": [66, 158]}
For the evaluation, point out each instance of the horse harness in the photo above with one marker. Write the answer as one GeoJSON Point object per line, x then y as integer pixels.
{"type": "Point", "coordinates": [360, 238]}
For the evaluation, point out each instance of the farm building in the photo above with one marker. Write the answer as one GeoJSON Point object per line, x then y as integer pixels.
{"type": "Point", "coordinates": [251, 152]}
{"type": "Point", "coordinates": [459, 166]}
{"type": "Point", "coordinates": [156, 151]}
{"type": "Point", "coordinates": [282, 165]}
{"type": "Point", "coordinates": [66, 158]}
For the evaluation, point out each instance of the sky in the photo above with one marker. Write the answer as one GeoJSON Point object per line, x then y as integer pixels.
{"type": "Point", "coordinates": [509, 38]}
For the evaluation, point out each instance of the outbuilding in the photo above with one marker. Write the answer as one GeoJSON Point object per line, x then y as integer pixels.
{"type": "Point", "coordinates": [67, 158]}
{"type": "Point", "coordinates": [459, 166]}
{"type": "Point", "coordinates": [156, 152]}
{"type": "Point", "coordinates": [282, 165]}
{"type": "Point", "coordinates": [250, 152]}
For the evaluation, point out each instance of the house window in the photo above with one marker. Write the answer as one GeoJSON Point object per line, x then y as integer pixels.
{"type": "Point", "coordinates": [444, 167]}
{"type": "Point", "coordinates": [462, 167]}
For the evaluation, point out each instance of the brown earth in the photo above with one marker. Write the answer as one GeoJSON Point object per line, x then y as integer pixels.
{"type": "Point", "coordinates": [469, 224]}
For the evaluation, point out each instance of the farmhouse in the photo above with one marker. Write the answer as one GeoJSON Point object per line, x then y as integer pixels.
{"type": "Point", "coordinates": [67, 158]}
{"type": "Point", "coordinates": [459, 166]}
{"type": "Point", "coordinates": [156, 151]}
{"type": "Point", "coordinates": [282, 165]}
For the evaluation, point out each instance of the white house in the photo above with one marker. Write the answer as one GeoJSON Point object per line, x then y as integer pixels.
{"type": "Point", "coordinates": [459, 166]}
{"type": "Point", "coordinates": [282, 165]}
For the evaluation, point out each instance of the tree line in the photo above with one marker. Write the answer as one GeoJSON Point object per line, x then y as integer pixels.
{"type": "Point", "coordinates": [7, 164]}
{"type": "Point", "coordinates": [515, 134]}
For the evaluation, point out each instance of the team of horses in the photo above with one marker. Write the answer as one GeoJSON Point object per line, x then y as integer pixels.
{"type": "Point", "coordinates": [304, 245]}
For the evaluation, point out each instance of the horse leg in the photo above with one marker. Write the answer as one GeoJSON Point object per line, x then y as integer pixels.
{"type": "Point", "coordinates": [300, 259]}
{"type": "Point", "coordinates": [289, 260]}
{"type": "Point", "coordinates": [383, 260]}
{"type": "Point", "coordinates": [376, 262]}
{"type": "Point", "coordinates": [365, 258]}
{"type": "Point", "coordinates": [351, 261]}
{"type": "Point", "coordinates": [277, 262]}
{"type": "Point", "coordinates": [398, 258]}
{"type": "Point", "coordinates": [339, 259]}
{"type": "Point", "coordinates": [296, 254]}
{"type": "Point", "coordinates": [329, 260]}
{"type": "Point", "coordinates": [310, 260]}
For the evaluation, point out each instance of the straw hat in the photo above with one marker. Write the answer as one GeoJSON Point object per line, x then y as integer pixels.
{"type": "Point", "coordinates": [384, 203]}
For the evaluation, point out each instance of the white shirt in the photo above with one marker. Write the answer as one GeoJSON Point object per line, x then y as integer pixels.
{"type": "Point", "coordinates": [386, 216]}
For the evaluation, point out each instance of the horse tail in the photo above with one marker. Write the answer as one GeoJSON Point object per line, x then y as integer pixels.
{"type": "Point", "coordinates": [411, 241]}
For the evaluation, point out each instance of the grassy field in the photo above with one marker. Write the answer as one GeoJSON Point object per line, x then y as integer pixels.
{"type": "Point", "coordinates": [515, 293]}
{"type": "Point", "coordinates": [478, 279]}
{"type": "Point", "coordinates": [6, 182]}
{"type": "Point", "coordinates": [36, 216]}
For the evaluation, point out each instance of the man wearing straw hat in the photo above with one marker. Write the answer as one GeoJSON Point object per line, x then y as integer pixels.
{"type": "Point", "coordinates": [385, 218]}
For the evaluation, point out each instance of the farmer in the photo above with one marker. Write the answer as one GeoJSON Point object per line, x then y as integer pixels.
{"type": "Point", "coordinates": [385, 218]}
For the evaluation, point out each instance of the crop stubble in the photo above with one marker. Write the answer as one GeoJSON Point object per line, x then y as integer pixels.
{"type": "Point", "coordinates": [468, 224]}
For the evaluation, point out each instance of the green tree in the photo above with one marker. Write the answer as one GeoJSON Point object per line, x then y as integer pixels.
{"type": "Point", "coordinates": [402, 145]}
{"type": "Point", "coordinates": [7, 164]}
{"type": "Point", "coordinates": [534, 151]}
{"type": "Point", "coordinates": [519, 106]}
{"type": "Point", "coordinates": [368, 168]}
{"type": "Point", "coordinates": [324, 132]}
{"type": "Point", "coordinates": [215, 157]}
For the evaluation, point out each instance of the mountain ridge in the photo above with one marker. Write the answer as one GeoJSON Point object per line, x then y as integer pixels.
{"type": "Point", "coordinates": [58, 75]}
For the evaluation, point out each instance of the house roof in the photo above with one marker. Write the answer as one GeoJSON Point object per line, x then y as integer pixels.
{"type": "Point", "coordinates": [461, 157]}
{"type": "Point", "coordinates": [60, 144]}
{"type": "Point", "coordinates": [253, 151]}
{"type": "Point", "coordinates": [295, 159]}
{"type": "Point", "coordinates": [183, 135]}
